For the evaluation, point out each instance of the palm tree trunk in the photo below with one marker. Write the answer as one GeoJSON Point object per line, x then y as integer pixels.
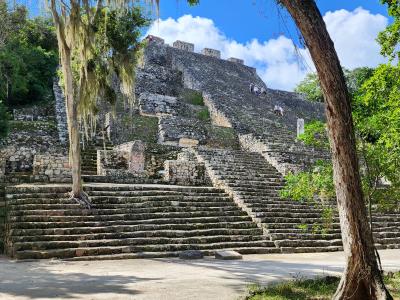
{"type": "Point", "coordinates": [362, 278]}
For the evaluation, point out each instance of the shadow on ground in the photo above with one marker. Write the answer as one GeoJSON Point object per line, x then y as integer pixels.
{"type": "Point", "coordinates": [37, 279]}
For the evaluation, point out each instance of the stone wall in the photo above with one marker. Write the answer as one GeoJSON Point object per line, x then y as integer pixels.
{"type": "Point", "coordinates": [111, 163]}
{"type": "Point", "coordinates": [127, 158]}
{"type": "Point", "coordinates": [34, 113]}
{"type": "Point", "coordinates": [183, 46]}
{"type": "Point", "coordinates": [186, 170]}
{"type": "Point", "coordinates": [174, 130]}
{"type": "Point", "coordinates": [156, 155]}
{"type": "Point", "coordinates": [61, 115]}
{"type": "Point", "coordinates": [151, 104]}
{"type": "Point", "coordinates": [55, 167]}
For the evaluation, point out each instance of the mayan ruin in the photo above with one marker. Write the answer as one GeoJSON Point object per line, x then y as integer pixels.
{"type": "Point", "coordinates": [184, 154]}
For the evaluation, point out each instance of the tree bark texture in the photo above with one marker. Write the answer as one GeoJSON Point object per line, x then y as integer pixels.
{"type": "Point", "coordinates": [362, 279]}
{"type": "Point", "coordinates": [65, 51]}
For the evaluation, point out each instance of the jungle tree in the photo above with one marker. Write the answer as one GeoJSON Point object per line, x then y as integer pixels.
{"type": "Point", "coordinates": [362, 278]}
{"type": "Point", "coordinates": [98, 41]}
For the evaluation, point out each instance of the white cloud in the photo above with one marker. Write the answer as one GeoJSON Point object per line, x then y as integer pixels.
{"type": "Point", "coordinates": [354, 35]}
{"type": "Point", "coordinates": [277, 61]}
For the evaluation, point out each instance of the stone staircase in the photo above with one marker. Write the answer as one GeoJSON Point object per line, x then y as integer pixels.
{"type": "Point", "coordinates": [89, 155]}
{"type": "Point", "coordinates": [254, 185]}
{"type": "Point", "coordinates": [128, 221]}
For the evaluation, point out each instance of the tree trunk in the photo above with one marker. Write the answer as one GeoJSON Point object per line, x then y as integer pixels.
{"type": "Point", "coordinates": [73, 125]}
{"type": "Point", "coordinates": [362, 278]}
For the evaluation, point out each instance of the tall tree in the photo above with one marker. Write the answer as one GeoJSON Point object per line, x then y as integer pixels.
{"type": "Point", "coordinates": [362, 278]}
{"type": "Point", "coordinates": [97, 41]}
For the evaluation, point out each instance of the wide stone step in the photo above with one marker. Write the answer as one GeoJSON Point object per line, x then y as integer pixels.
{"type": "Point", "coordinates": [299, 220]}
{"type": "Point", "coordinates": [46, 189]}
{"type": "Point", "coordinates": [387, 240]}
{"type": "Point", "coordinates": [139, 234]}
{"type": "Point", "coordinates": [308, 243]}
{"type": "Point", "coordinates": [263, 186]}
{"type": "Point", "coordinates": [87, 216]}
{"type": "Point", "coordinates": [299, 231]}
{"type": "Point", "coordinates": [271, 208]}
{"type": "Point", "coordinates": [104, 204]}
{"type": "Point", "coordinates": [305, 236]}
{"type": "Point", "coordinates": [148, 255]}
{"type": "Point", "coordinates": [250, 177]}
{"type": "Point", "coordinates": [312, 249]}
{"type": "Point", "coordinates": [53, 224]}
{"type": "Point", "coordinates": [143, 241]}
{"type": "Point", "coordinates": [289, 215]}
{"type": "Point", "coordinates": [125, 200]}
{"type": "Point", "coordinates": [91, 251]}
{"type": "Point", "coordinates": [187, 227]}
{"type": "Point", "coordinates": [125, 211]}
{"type": "Point", "coordinates": [298, 225]}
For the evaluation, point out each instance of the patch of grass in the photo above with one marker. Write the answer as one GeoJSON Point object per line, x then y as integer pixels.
{"type": "Point", "coordinates": [392, 281]}
{"type": "Point", "coordinates": [222, 137]}
{"type": "Point", "coordinates": [141, 128]}
{"type": "Point", "coordinates": [312, 289]}
{"type": "Point", "coordinates": [192, 97]}
{"type": "Point", "coordinates": [204, 115]}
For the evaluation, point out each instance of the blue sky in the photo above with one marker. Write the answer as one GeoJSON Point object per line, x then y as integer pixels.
{"type": "Point", "coordinates": [264, 35]}
{"type": "Point", "coordinates": [247, 19]}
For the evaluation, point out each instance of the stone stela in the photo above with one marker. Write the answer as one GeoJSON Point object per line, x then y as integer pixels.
{"type": "Point", "coordinates": [300, 127]}
{"type": "Point", "coordinates": [137, 157]}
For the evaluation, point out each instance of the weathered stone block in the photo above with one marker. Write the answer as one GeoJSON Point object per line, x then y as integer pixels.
{"type": "Point", "coordinates": [137, 157]}
{"type": "Point", "coordinates": [211, 52]}
{"type": "Point", "coordinates": [191, 254]}
{"type": "Point", "coordinates": [227, 255]}
{"type": "Point", "coordinates": [155, 104]}
{"type": "Point", "coordinates": [236, 60]}
{"type": "Point", "coordinates": [183, 46]}
{"type": "Point", "coordinates": [300, 127]}
{"type": "Point", "coordinates": [185, 142]}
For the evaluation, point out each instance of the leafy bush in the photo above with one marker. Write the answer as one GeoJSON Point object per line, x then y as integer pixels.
{"type": "Point", "coordinates": [315, 135]}
{"type": "Point", "coordinates": [310, 185]}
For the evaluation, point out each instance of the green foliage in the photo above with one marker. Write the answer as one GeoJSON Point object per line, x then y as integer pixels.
{"type": "Point", "coordinates": [107, 47]}
{"type": "Point", "coordinates": [308, 289]}
{"type": "Point", "coordinates": [390, 37]}
{"type": "Point", "coordinates": [310, 87]}
{"type": "Point", "coordinates": [28, 58]}
{"type": "Point", "coordinates": [300, 288]}
{"type": "Point", "coordinates": [310, 185]}
{"type": "Point", "coordinates": [315, 134]}
{"type": "Point", "coordinates": [204, 114]}
{"type": "Point", "coordinates": [4, 124]}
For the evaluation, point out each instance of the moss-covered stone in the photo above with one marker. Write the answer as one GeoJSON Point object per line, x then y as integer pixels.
{"type": "Point", "coordinates": [142, 128]}
{"type": "Point", "coordinates": [222, 137]}
{"type": "Point", "coordinates": [192, 97]}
